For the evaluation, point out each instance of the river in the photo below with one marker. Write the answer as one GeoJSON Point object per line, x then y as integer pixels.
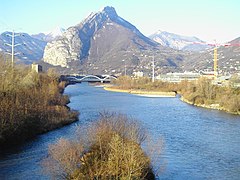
{"type": "Point", "coordinates": [198, 143]}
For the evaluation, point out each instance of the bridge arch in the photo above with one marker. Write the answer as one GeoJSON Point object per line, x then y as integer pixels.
{"type": "Point", "coordinates": [90, 76]}
{"type": "Point", "coordinates": [96, 77]}
{"type": "Point", "coordinates": [109, 76]}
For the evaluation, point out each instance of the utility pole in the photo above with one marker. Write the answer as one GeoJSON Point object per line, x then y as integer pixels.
{"type": "Point", "coordinates": [13, 35]}
{"type": "Point", "coordinates": [153, 70]}
{"type": "Point", "coordinates": [215, 66]}
{"type": "Point", "coordinates": [125, 68]}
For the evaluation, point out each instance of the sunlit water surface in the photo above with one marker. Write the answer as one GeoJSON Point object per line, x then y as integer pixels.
{"type": "Point", "coordinates": [198, 143]}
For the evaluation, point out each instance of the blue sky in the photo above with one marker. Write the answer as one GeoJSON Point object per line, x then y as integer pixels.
{"type": "Point", "coordinates": [206, 19]}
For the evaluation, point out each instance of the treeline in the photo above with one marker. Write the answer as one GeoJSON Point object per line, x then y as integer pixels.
{"type": "Point", "coordinates": [201, 92]}
{"type": "Point", "coordinates": [204, 92]}
{"type": "Point", "coordinates": [143, 83]}
{"type": "Point", "coordinates": [109, 148]}
{"type": "Point", "coordinates": [30, 103]}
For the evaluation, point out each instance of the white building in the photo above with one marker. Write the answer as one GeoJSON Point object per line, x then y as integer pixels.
{"type": "Point", "coordinates": [37, 68]}
{"type": "Point", "coordinates": [177, 77]}
{"type": "Point", "coordinates": [138, 74]}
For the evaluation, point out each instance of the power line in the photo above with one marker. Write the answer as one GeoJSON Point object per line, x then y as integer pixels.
{"type": "Point", "coordinates": [13, 35]}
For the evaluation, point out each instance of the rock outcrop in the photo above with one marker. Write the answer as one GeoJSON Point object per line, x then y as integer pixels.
{"type": "Point", "coordinates": [64, 49]}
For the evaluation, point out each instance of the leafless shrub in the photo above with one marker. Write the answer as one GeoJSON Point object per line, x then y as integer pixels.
{"type": "Point", "coordinates": [109, 149]}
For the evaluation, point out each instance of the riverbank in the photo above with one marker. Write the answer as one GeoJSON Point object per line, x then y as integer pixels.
{"type": "Point", "coordinates": [141, 92]}
{"type": "Point", "coordinates": [210, 106]}
{"type": "Point", "coordinates": [31, 105]}
{"type": "Point", "coordinates": [31, 132]}
{"type": "Point", "coordinates": [166, 94]}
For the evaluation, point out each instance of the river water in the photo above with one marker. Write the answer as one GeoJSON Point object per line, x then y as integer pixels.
{"type": "Point", "coordinates": [198, 143]}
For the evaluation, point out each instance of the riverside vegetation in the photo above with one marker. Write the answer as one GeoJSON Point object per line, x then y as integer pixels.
{"type": "Point", "coordinates": [204, 93]}
{"type": "Point", "coordinates": [109, 148]}
{"type": "Point", "coordinates": [201, 92]}
{"type": "Point", "coordinates": [30, 103]}
{"type": "Point", "coordinates": [144, 84]}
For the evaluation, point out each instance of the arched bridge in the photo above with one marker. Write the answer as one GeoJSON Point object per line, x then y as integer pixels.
{"type": "Point", "coordinates": [88, 78]}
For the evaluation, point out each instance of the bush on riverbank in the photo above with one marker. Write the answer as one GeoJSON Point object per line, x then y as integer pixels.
{"type": "Point", "coordinates": [109, 148]}
{"type": "Point", "coordinates": [30, 104]}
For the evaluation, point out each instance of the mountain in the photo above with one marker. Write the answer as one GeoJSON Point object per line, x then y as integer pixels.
{"type": "Point", "coordinates": [105, 43]}
{"type": "Point", "coordinates": [228, 59]}
{"type": "Point", "coordinates": [178, 42]}
{"type": "Point", "coordinates": [30, 49]}
{"type": "Point", "coordinates": [50, 35]}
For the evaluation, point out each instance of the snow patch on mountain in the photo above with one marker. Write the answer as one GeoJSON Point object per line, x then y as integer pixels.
{"type": "Point", "coordinates": [58, 31]}
{"type": "Point", "coordinates": [50, 35]}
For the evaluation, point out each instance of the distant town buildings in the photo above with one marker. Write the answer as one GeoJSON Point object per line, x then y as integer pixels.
{"type": "Point", "coordinates": [177, 77]}
{"type": "Point", "coordinates": [138, 74]}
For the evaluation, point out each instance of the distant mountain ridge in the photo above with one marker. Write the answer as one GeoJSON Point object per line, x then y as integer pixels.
{"type": "Point", "coordinates": [106, 43]}
{"type": "Point", "coordinates": [50, 35]}
{"type": "Point", "coordinates": [179, 42]}
{"type": "Point", "coordinates": [30, 49]}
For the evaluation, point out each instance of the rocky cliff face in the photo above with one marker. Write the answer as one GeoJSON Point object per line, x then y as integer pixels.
{"type": "Point", "coordinates": [94, 37]}
{"type": "Point", "coordinates": [64, 49]}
